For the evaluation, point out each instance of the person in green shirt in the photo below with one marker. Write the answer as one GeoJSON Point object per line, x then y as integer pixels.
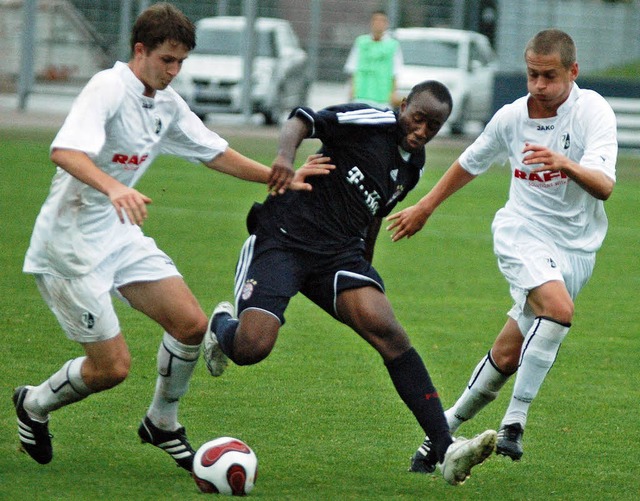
{"type": "Point", "coordinates": [373, 63]}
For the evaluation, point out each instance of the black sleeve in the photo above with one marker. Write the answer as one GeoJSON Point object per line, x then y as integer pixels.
{"type": "Point", "coordinates": [326, 124]}
{"type": "Point", "coordinates": [322, 124]}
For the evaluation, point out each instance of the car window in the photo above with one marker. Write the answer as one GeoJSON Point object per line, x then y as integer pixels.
{"type": "Point", "coordinates": [289, 38]}
{"type": "Point", "coordinates": [228, 42]}
{"type": "Point", "coordinates": [439, 53]}
{"type": "Point", "coordinates": [476, 54]}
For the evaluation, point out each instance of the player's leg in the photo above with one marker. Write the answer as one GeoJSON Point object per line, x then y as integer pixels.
{"type": "Point", "coordinates": [543, 281]}
{"type": "Point", "coordinates": [265, 280]}
{"type": "Point", "coordinates": [368, 311]}
{"type": "Point", "coordinates": [84, 310]}
{"type": "Point", "coordinates": [485, 382]}
{"type": "Point", "coordinates": [250, 339]}
{"type": "Point", "coordinates": [489, 376]}
{"type": "Point", "coordinates": [553, 308]}
{"type": "Point", "coordinates": [172, 305]}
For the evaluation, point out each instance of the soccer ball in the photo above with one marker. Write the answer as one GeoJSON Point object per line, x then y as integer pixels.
{"type": "Point", "coordinates": [225, 465]}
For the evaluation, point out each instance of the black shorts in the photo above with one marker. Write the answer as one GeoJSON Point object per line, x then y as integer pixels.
{"type": "Point", "coordinates": [269, 274]}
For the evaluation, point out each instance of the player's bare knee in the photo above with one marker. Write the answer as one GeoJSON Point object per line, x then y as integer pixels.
{"type": "Point", "coordinates": [109, 376]}
{"type": "Point", "coordinates": [251, 356]}
{"type": "Point", "coordinates": [567, 313]}
{"type": "Point", "coordinates": [389, 343]}
{"type": "Point", "coordinates": [561, 312]}
{"type": "Point", "coordinates": [505, 358]}
{"type": "Point", "coordinates": [192, 331]}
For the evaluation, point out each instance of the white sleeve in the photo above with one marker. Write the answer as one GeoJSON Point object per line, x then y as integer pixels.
{"type": "Point", "coordinates": [84, 129]}
{"type": "Point", "coordinates": [487, 149]}
{"type": "Point", "coordinates": [190, 139]}
{"type": "Point", "coordinates": [600, 137]}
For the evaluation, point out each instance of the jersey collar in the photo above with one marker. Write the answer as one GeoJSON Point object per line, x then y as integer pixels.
{"type": "Point", "coordinates": [568, 104]}
{"type": "Point", "coordinates": [129, 77]}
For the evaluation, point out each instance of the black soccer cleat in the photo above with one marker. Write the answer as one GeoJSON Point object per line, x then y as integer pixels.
{"type": "Point", "coordinates": [510, 441]}
{"type": "Point", "coordinates": [35, 438]}
{"type": "Point", "coordinates": [174, 443]}
{"type": "Point", "coordinates": [425, 458]}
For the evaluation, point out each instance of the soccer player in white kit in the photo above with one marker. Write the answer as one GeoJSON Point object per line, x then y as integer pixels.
{"type": "Point", "coordinates": [561, 144]}
{"type": "Point", "coordinates": [87, 243]}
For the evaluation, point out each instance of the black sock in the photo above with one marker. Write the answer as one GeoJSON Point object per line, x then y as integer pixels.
{"type": "Point", "coordinates": [413, 384]}
{"type": "Point", "coordinates": [225, 328]}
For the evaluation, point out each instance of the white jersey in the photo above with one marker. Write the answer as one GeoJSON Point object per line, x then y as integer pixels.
{"type": "Point", "coordinates": [122, 131]}
{"type": "Point", "coordinates": [584, 130]}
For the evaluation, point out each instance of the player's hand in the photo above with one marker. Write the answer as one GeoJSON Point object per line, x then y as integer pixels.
{"type": "Point", "coordinates": [130, 202]}
{"type": "Point", "coordinates": [316, 165]}
{"type": "Point", "coordinates": [406, 223]}
{"type": "Point", "coordinates": [281, 176]}
{"type": "Point", "coordinates": [548, 159]}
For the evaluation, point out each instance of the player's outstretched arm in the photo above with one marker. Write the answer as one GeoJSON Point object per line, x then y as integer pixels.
{"type": "Point", "coordinates": [126, 200]}
{"type": "Point", "coordinates": [409, 221]}
{"type": "Point", "coordinates": [237, 165]}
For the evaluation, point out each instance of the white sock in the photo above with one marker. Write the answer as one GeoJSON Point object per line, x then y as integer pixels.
{"type": "Point", "coordinates": [63, 388]}
{"type": "Point", "coordinates": [539, 352]}
{"type": "Point", "coordinates": [483, 388]}
{"type": "Point", "coordinates": [176, 362]}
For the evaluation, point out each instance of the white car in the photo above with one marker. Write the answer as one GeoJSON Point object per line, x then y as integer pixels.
{"type": "Point", "coordinates": [462, 60]}
{"type": "Point", "coordinates": [211, 78]}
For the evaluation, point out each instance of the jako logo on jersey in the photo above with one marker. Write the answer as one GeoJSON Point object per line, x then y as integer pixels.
{"type": "Point", "coordinates": [566, 140]}
{"type": "Point", "coordinates": [130, 162]}
{"type": "Point", "coordinates": [540, 177]}
{"type": "Point", "coordinates": [158, 125]}
{"type": "Point", "coordinates": [545, 127]}
{"type": "Point", "coordinates": [551, 262]}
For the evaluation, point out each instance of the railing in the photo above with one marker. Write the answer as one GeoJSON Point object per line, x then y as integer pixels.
{"type": "Point", "coordinates": [627, 110]}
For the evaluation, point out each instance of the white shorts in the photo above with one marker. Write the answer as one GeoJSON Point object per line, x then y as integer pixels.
{"type": "Point", "coordinates": [83, 305]}
{"type": "Point", "coordinates": [528, 258]}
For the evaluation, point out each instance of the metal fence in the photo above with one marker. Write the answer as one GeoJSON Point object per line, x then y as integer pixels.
{"type": "Point", "coordinates": [606, 34]}
{"type": "Point", "coordinates": [66, 41]}
{"type": "Point", "coordinates": [100, 29]}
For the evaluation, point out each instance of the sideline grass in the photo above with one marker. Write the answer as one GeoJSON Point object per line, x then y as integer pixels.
{"type": "Point", "coordinates": [321, 412]}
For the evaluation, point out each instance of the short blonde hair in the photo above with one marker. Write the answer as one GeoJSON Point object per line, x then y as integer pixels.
{"type": "Point", "coordinates": [550, 41]}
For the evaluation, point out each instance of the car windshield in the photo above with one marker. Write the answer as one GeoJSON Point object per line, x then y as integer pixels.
{"type": "Point", "coordinates": [439, 53]}
{"type": "Point", "coordinates": [229, 42]}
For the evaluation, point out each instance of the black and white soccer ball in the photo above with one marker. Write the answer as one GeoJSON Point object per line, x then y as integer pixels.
{"type": "Point", "coordinates": [225, 465]}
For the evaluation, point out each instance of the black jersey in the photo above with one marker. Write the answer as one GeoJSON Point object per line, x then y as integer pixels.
{"type": "Point", "coordinates": [372, 174]}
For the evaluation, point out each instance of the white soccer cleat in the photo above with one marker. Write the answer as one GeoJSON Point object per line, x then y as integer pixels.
{"type": "Point", "coordinates": [464, 454]}
{"type": "Point", "coordinates": [214, 358]}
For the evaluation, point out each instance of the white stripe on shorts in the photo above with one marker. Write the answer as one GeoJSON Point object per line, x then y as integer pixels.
{"type": "Point", "coordinates": [246, 255]}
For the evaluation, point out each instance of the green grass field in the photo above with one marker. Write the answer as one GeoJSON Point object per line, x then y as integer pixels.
{"type": "Point", "coordinates": [321, 412]}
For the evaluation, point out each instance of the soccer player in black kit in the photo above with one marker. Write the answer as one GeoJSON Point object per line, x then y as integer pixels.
{"type": "Point", "coordinates": [320, 243]}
